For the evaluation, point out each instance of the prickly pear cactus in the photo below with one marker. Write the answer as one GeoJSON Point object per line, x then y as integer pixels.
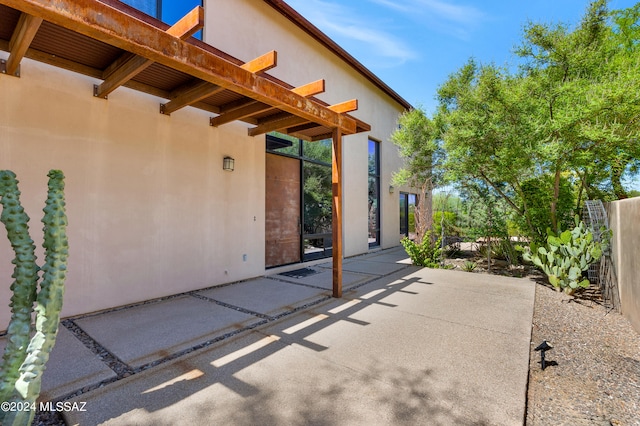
{"type": "Point", "coordinates": [566, 257]}
{"type": "Point", "coordinates": [26, 387]}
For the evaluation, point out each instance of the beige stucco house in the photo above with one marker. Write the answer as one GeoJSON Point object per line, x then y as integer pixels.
{"type": "Point", "coordinates": [141, 116]}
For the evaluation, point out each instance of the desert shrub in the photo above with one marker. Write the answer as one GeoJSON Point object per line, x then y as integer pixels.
{"type": "Point", "coordinates": [469, 266]}
{"type": "Point", "coordinates": [427, 253]}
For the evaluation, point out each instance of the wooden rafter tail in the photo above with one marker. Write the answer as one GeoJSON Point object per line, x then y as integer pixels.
{"type": "Point", "coordinates": [273, 125]}
{"type": "Point", "coordinates": [252, 108]}
{"type": "Point", "coordinates": [278, 122]}
{"type": "Point", "coordinates": [321, 137]}
{"type": "Point", "coordinates": [347, 106]}
{"type": "Point", "coordinates": [240, 113]}
{"type": "Point", "coordinates": [128, 66]}
{"type": "Point", "coordinates": [300, 128]}
{"type": "Point", "coordinates": [189, 96]}
{"type": "Point", "coordinates": [101, 22]}
{"type": "Point", "coordinates": [310, 89]}
{"type": "Point", "coordinates": [21, 39]}
{"type": "Point", "coordinates": [189, 24]}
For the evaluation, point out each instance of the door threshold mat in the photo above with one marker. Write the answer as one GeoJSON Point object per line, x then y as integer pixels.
{"type": "Point", "coordinates": [299, 273]}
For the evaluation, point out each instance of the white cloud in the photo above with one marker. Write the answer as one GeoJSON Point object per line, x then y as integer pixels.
{"type": "Point", "coordinates": [440, 15]}
{"type": "Point", "coordinates": [344, 24]}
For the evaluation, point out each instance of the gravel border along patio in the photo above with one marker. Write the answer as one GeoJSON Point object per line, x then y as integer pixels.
{"type": "Point", "coordinates": [597, 377]}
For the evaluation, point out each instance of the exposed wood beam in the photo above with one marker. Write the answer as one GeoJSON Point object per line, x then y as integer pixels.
{"type": "Point", "coordinates": [128, 66]}
{"type": "Point", "coordinates": [131, 66]}
{"type": "Point", "coordinates": [301, 128]}
{"type": "Point", "coordinates": [274, 125]}
{"type": "Point", "coordinates": [321, 137]}
{"type": "Point", "coordinates": [260, 64]}
{"type": "Point", "coordinates": [310, 89]}
{"type": "Point", "coordinates": [254, 107]}
{"type": "Point", "coordinates": [189, 24]}
{"type": "Point", "coordinates": [189, 94]}
{"type": "Point", "coordinates": [346, 106]}
{"type": "Point", "coordinates": [282, 121]}
{"type": "Point", "coordinates": [101, 22]}
{"type": "Point", "coordinates": [66, 64]}
{"type": "Point", "coordinates": [240, 113]}
{"type": "Point", "coordinates": [22, 37]}
{"type": "Point", "coordinates": [336, 223]}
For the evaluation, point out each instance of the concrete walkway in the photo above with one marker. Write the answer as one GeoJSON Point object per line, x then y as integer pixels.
{"type": "Point", "coordinates": [404, 345]}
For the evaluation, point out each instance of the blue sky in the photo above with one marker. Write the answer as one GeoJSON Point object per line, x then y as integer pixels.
{"type": "Point", "coordinates": [414, 45]}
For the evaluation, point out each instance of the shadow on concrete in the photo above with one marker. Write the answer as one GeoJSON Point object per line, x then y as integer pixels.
{"type": "Point", "coordinates": [269, 376]}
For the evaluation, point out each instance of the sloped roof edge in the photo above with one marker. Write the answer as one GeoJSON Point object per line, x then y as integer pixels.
{"type": "Point", "coordinates": [299, 20]}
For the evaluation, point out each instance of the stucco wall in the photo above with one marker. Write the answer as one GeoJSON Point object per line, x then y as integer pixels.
{"type": "Point", "coordinates": [151, 212]}
{"type": "Point", "coordinates": [624, 220]}
{"type": "Point", "coordinates": [301, 60]}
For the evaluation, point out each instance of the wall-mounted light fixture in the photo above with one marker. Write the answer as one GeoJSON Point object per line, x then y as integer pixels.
{"type": "Point", "coordinates": [391, 189]}
{"type": "Point", "coordinates": [228, 164]}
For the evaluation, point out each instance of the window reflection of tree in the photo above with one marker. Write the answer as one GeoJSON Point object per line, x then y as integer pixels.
{"type": "Point", "coordinates": [317, 191]}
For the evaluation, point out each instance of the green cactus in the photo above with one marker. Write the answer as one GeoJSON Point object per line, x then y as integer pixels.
{"type": "Point", "coordinates": [25, 277]}
{"type": "Point", "coordinates": [567, 256]}
{"type": "Point", "coordinates": [26, 387]}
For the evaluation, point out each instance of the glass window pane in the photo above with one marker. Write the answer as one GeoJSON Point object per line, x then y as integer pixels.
{"type": "Point", "coordinates": [412, 214]}
{"type": "Point", "coordinates": [374, 193]}
{"type": "Point", "coordinates": [317, 199]}
{"type": "Point", "coordinates": [283, 144]}
{"type": "Point", "coordinates": [320, 150]}
{"type": "Point", "coordinates": [373, 209]}
{"type": "Point", "coordinates": [150, 7]}
{"type": "Point", "coordinates": [373, 158]}
{"type": "Point", "coordinates": [403, 214]}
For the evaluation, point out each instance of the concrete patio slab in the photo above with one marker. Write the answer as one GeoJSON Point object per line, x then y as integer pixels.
{"type": "Point", "coordinates": [372, 267]}
{"type": "Point", "coordinates": [397, 255]}
{"type": "Point", "coordinates": [394, 359]}
{"type": "Point", "coordinates": [267, 296]}
{"type": "Point", "coordinates": [482, 365]}
{"type": "Point", "coordinates": [255, 380]}
{"type": "Point", "coordinates": [324, 279]}
{"type": "Point", "coordinates": [58, 379]}
{"type": "Point", "coordinates": [145, 333]}
{"type": "Point", "coordinates": [472, 299]}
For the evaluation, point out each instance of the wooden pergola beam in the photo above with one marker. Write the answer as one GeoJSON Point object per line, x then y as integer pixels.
{"type": "Point", "coordinates": [128, 66]}
{"type": "Point", "coordinates": [240, 113]}
{"type": "Point", "coordinates": [101, 22]}
{"type": "Point", "coordinates": [21, 39]}
{"type": "Point", "coordinates": [190, 96]}
{"type": "Point", "coordinates": [189, 24]}
{"type": "Point", "coordinates": [280, 121]}
{"type": "Point", "coordinates": [336, 189]}
{"type": "Point", "coordinates": [252, 108]}
{"type": "Point", "coordinates": [273, 125]}
{"type": "Point", "coordinates": [346, 106]}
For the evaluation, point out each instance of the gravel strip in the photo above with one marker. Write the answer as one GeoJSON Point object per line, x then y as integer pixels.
{"type": "Point", "coordinates": [597, 377]}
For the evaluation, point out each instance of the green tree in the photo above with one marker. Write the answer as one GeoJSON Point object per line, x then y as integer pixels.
{"type": "Point", "coordinates": [419, 146]}
{"type": "Point", "coordinates": [570, 113]}
{"type": "Point", "coordinates": [485, 131]}
{"type": "Point", "coordinates": [585, 87]}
